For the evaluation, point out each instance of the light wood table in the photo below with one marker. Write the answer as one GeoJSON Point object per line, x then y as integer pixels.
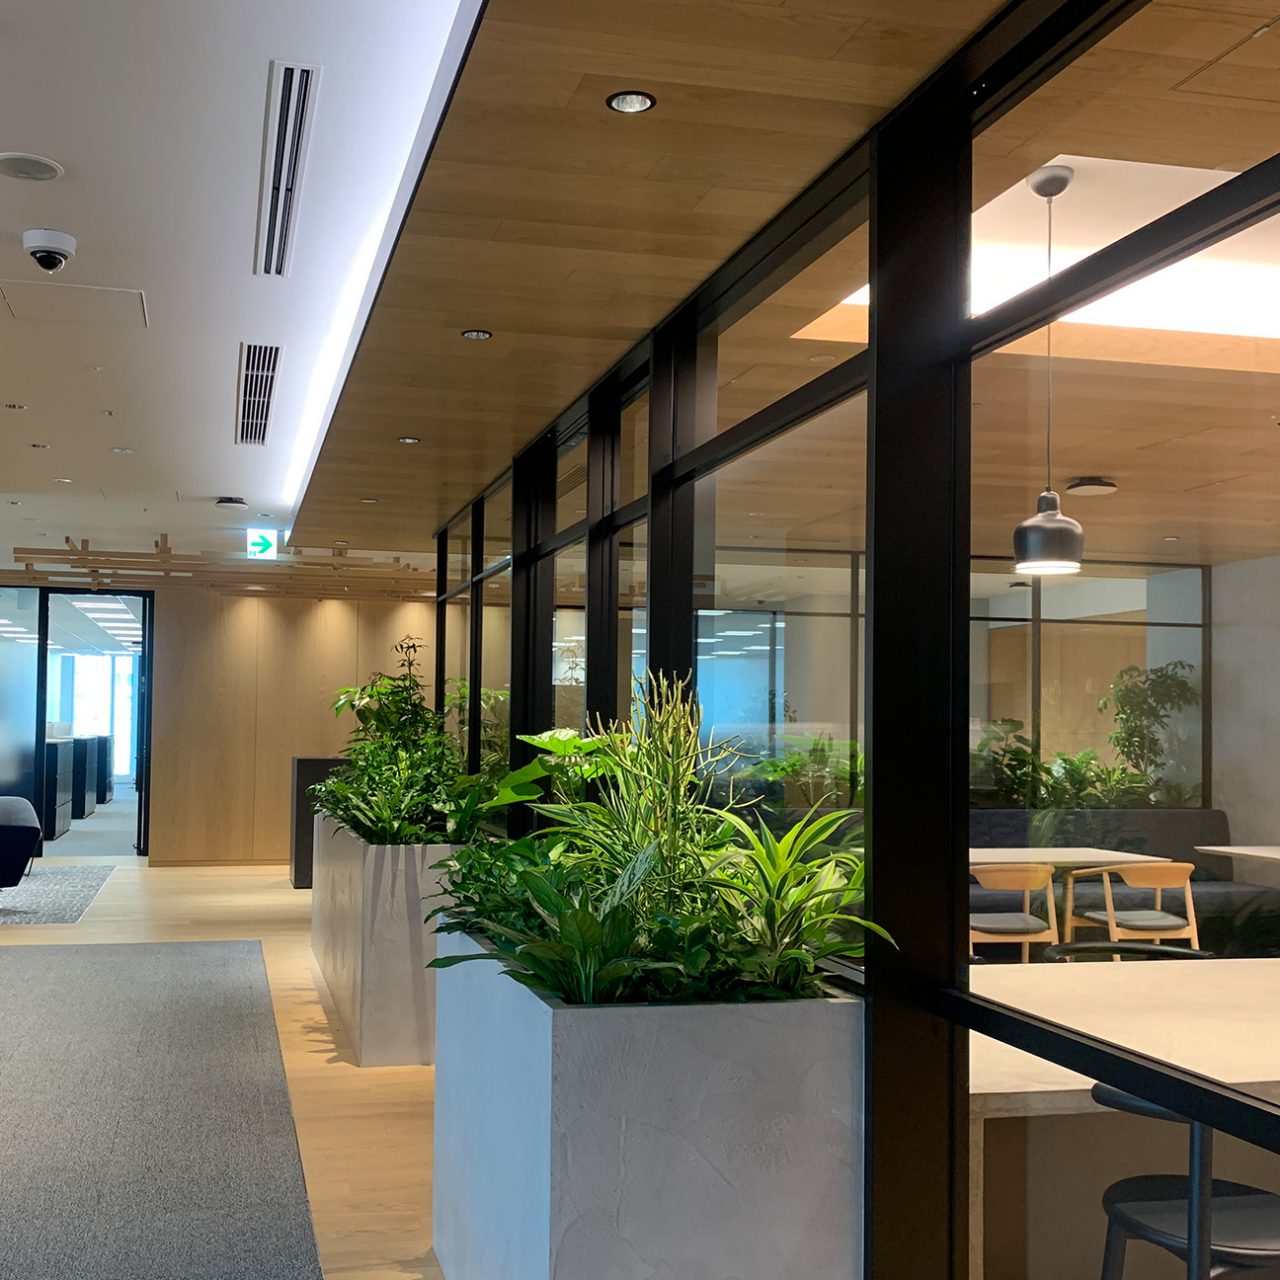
{"type": "Point", "coordinates": [1262, 861]}
{"type": "Point", "coordinates": [1058, 857]}
{"type": "Point", "coordinates": [1208, 1016]}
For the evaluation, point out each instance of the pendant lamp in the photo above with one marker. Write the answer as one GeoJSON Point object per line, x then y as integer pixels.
{"type": "Point", "coordinates": [1049, 542]}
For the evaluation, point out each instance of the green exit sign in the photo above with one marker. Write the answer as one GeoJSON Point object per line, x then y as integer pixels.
{"type": "Point", "coordinates": [262, 544]}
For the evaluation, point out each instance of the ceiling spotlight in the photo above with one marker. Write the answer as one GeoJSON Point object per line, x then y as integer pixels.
{"type": "Point", "coordinates": [231, 504]}
{"type": "Point", "coordinates": [108, 413]}
{"type": "Point", "coordinates": [410, 439]}
{"type": "Point", "coordinates": [29, 168]}
{"type": "Point", "coordinates": [61, 479]}
{"type": "Point", "coordinates": [477, 335]}
{"type": "Point", "coordinates": [1172, 537]}
{"type": "Point", "coordinates": [631, 102]}
{"type": "Point", "coordinates": [1092, 486]}
{"type": "Point", "coordinates": [119, 448]}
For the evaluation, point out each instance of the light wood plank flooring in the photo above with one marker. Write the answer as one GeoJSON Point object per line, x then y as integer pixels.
{"type": "Point", "coordinates": [365, 1134]}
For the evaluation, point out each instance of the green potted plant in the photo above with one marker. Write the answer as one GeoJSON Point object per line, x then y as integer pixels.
{"type": "Point", "coordinates": [384, 819]}
{"type": "Point", "coordinates": [636, 1001]}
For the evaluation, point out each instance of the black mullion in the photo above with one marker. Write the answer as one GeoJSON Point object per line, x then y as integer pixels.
{"type": "Point", "coordinates": [1037, 671]}
{"type": "Point", "coordinates": [917, 1100]}
{"type": "Point", "coordinates": [671, 518]}
{"type": "Point", "coordinates": [442, 582]}
{"type": "Point", "coordinates": [1206, 687]}
{"type": "Point", "coordinates": [476, 658]}
{"type": "Point", "coordinates": [1237, 204]}
{"type": "Point", "coordinates": [829, 388]}
{"type": "Point", "coordinates": [604, 428]}
{"type": "Point", "coordinates": [42, 698]}
{"type": "Point", "coordinates": [1187, 1093]}
{"type": "Point", "coordinates": [554, 541]}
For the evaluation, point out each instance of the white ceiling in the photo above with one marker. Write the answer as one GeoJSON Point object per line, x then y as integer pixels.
{"type": "Point", "coordinates": [156, 110]}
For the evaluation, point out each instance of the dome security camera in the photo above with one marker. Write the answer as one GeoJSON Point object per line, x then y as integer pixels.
{"type": "Point", "coordinates": [49, 250]}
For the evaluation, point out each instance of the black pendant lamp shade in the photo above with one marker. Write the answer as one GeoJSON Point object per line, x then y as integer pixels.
{"type": "Point", "coordinates": [1049, 542]}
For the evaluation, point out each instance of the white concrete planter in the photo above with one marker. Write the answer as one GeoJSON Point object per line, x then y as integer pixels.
{"type": "Point", "coordinates": [643, 1142]}
{"type": "Point", "coordinates": [368, 934]}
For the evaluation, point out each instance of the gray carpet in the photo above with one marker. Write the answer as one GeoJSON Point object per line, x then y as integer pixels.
{"type": "Point", "coordinates": [109, 831]}
{"type": "Point", "coordinates": [52, 895]}
{"type": "Point", "coordinates": [145, 1127]}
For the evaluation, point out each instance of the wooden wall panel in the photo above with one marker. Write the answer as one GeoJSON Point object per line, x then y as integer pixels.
{"type": "Point", "coordinates": [204, 723]}
{"type": "Point", "coordinates": [242, 685]}
{"type": "Point", "coordinates": [306, 650]}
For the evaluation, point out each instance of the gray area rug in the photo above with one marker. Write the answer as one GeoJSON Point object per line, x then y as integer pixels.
{"type": "Point", "coordinates": [52, 895]}
{"type": "Point", "coordinates": [145, 1127]}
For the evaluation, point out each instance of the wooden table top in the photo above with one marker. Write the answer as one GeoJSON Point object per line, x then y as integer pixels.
{"type": "Point", "coordinates": [1208, 1016]}
{"type": "Point", "coordinates": [1271, 852]}
{"type": "Point", "coordinates": [1058, 857]}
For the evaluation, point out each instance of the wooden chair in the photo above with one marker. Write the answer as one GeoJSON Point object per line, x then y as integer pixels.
{"type": "Point", "coordinates": [1015, 926]}
{"type": "Point", "coordinates": [1153, 924]}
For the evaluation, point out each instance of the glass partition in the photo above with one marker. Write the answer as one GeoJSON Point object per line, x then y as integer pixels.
{"type": "Point", "coordinates": [633, 616]}
{"type": "Point", "coordinates": [569, 639]}
{"type": "Point", "coordinates": [19, 663]}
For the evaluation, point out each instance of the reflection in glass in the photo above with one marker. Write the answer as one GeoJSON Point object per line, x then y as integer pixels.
{"type": "Point", "coordinates": [633, 624]}
{"type": "Point", "coordinates": [457, 663]}
{"type": "Point", "coordinates": [633, 451]}
{"type": "Point", "coordinates": [779, 537]}
{"type": "Point", "coordinates": [497, 526]}
{"type": "Point", "coordinates": [458, 551]}
{"type": "Point", "coordinates": [571, 483]}
{"type": "Point", "coordinates": [569, 640]}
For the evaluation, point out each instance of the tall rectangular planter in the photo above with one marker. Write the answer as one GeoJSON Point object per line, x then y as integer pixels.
{"type": "Point", "coordinates": [643, 1142]}
{"type": "Point", "coordinates": [368, 908]}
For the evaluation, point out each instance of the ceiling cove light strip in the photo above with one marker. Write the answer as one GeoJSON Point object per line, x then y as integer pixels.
{"type": "Point", "coordinates": [438, 67]}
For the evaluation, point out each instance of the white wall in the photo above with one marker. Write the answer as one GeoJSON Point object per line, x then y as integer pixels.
{"type": "Point", "coordinates": [1246, 698]}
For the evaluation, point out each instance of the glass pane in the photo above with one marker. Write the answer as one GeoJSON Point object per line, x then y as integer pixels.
{"type": "Point", "coordinates": [814, 321]}
{"type": "Point", "coordinates": [569, 639]}
{"type": "Point", "coordinates": [457, 663]}
{"type": "Point", "coordinates": [495, 677]}
{"type": "Point", "coordinates": [1168, 106]}
{"type": "Point", "coordinates": [19, 664]}
{"type": "Point", "coordinates": [1147, 760]}
{"type": "Point", "coordinates": [633, 618]}
{"type": "Point", "coordinates": [633, 451]}
{"type": "Point", "coordinates": [497, 526]}
{"type": "Point", "coordinates": [779, 536]}
{"type": "Point", "coordinates": [458, 551]}
{"type": "Point", "coordinates": [571, 484]}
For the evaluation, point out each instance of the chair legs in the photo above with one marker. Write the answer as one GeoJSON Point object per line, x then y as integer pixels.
{"type": "Point", "coordinates": [1113, 1253]}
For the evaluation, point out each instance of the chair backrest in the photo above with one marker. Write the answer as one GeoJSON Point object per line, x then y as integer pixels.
{"type": "Point", "coordinates": [1061, 952]}
{"type": "Point", "coordinates": [1025, 876]}
{"type": "Point", "coordinates": [1154, 875]}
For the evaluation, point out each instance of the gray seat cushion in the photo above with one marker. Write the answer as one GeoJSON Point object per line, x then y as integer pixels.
{"type": "Point", "coordinates": [19, 838]}
{"type": "Point", "coordinates": [1141, 919]}
{"type": "Point", "coordinates": [1007, 922]}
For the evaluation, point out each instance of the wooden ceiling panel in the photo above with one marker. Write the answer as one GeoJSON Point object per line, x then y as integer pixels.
{"type": "Point", "coordinates": [570, 230]}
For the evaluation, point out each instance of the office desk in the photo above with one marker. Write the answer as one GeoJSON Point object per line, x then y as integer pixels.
{"type": "Point", "coordinates": [1208, 1016]}
{"type": "Point", "coordinates": [1261, 861]}
{"type": "Point", "coordinates": [1067, 858]}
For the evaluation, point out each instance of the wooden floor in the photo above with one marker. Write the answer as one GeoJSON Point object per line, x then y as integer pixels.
{"type": "Point", "coordinates": [365, 1133]}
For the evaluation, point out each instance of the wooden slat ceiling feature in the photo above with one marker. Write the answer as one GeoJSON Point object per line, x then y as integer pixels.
{"type": "Point", "coordinates": [570, 230]}
{"type": "Point", "coordinates": [1195, 452]}
{"type": "Point", "coordinates": [1182, 82]}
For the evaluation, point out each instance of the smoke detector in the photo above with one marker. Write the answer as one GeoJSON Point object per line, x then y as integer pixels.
{"type": "Point", "coordinates": [232, 504]}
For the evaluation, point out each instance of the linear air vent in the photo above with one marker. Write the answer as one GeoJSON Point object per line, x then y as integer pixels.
{"type": "Point", "coordinates": [256, 391]}
{"type": "Point", "coordinates": [291, 92]}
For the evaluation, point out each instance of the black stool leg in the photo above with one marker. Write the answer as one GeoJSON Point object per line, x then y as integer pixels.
{"type": "Point", "coordinates": [1113, 1253]}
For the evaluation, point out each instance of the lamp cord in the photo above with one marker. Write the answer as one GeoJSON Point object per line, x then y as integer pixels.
{"type": "Point", "coordinates": [1048, 408]}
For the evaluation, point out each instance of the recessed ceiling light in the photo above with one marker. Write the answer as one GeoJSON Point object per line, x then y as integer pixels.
{"type": "Point", "coordinates": [339, 542]}
{"type": "Point", "coordinates": [410, 439]}
{"type": "Point", "coordinates": [264, 515]}
{"type": "Point", "coordinates": [13, 404]}
{"type": "Point", "coordinates": [35, 444]}
{"type": "Point", "coordinates": [1092, 486]}
{"type": "Point", "coordinates": [631, 102]}
{"type": "Point", "coordinates": [15, 502]}
{"type": "Point", "coordinates": [477, 335]}
{"type": "Point", "coordinates": [61, 479]}
{"type": "Point", "coordinates": [368, 501]}
{"type": "Point", "coordinates": [95, 368]}
{"type": "Point", "coordinates": [108, 413]}
{"type": "Point", "coordinates": [22, 164]}
{"type": "Point", "coordinates": [1173, 538]}
{"type": "Point", "coordinates": [119, 448]}
{"type": "Point", "coordinates": [231, 504]}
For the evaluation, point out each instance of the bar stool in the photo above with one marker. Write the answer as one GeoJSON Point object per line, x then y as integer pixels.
{"type": "Point", "coordinates": [1015, 926]}
{"type": "Point", "coordinates": [1218, 1228]}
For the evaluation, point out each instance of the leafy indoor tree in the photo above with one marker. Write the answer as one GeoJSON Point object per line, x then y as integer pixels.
{"type": "Point", "coordinates": [1143, 701]}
